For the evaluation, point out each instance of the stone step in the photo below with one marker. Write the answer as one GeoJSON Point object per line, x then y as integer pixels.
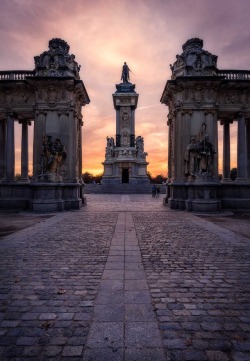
{"type": "Point", "coordinates": [122, 188]}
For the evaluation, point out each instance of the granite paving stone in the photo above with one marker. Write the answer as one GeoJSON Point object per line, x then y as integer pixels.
{"type": "Point", "coordinates": [125, 279]}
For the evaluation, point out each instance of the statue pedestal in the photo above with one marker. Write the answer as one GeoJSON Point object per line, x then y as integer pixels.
{"type": "Point", "coordinates": [53, 197]}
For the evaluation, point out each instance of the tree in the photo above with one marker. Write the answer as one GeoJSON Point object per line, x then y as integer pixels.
{"type": "Point", "coordinates": [90, 178]}
{"type": "Point", "coordinates": [87, 177]}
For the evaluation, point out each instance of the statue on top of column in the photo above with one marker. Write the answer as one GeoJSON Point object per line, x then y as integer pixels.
{"type": "Point", "coordinates": [125, 73]}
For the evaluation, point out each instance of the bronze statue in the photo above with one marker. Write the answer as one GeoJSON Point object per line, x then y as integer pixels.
{"type": "Point", "coordinates": [125, 73]}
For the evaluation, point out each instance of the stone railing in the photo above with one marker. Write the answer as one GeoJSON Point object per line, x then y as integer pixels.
{"type": "Point", "coordinates": [15, 74]}
{"type": "Point", "coordinates": [235, 74]}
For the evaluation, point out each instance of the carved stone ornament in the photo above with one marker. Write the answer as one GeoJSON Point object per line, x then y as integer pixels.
{"type": "Point", "coordinates": [125, 116]}
{"type": "Point", "coordinates": [194, 61]}
{"type": "Point", "coordinates": [53, 155]}
{"type": "Point", "coordinates": [57, 61]}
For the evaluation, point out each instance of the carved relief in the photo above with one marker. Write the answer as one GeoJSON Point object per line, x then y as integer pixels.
{"type": "Point", "coordinates": [230, 98]}
{"type": "Point", "coordinates": [198, 94]}
{"type": "Point", "coordinates": [125, 117]}
{"type": "Point", "coordinates": [125, 139]}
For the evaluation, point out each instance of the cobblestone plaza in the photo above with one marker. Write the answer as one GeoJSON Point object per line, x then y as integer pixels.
{"type": "Point", "coordinates": [125, 279]}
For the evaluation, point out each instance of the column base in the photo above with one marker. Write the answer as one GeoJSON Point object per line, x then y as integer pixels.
{"type": "Point", "coordinates": [226, 180]}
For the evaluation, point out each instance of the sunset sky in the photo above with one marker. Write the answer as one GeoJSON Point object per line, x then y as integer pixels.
{"type": "Point", "coordinates": [102, 34]}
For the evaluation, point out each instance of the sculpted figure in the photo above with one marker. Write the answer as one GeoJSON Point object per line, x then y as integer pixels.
{"type": "Point", "coordinates": [110, 147]}
{"type": "Point", "coordinates": [125, 73]}
{"type": "Point", "coordinates": [206, 154]}
{"type": "Point", "coordinates": [199, 156]}
{"type": "Point", "coordinates": [190, 158]}
{"type": "Point", "coordinates": [53, 155]}
{"type": "Point", "coordinates": [139, 143]}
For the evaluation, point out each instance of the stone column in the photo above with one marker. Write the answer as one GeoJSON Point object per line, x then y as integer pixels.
{"type": "Point", "coordinates": [248, 148]}
{"type": "Point", "coordinates": [132, 121]}
{"type": "Point", "coordinates": [24, 151]}
{"type": "Point", "coordinates": [226, 150]}
{"type": "Point", "coordinates": [241, 149]}
{"type": "Point", "coordinates": [169, 123]}
{"type": "Point", "coordinates": [2, 150]}
{"type": "Point", "coordinates": [10, 149]}
{"type": "Point", "coordinates": [118, 135]}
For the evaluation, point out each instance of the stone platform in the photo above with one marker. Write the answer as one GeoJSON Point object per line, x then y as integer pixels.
{"type": "Point", "coordinates": [125, 279]}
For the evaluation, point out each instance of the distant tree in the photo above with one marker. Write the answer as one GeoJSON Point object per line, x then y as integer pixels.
{"type": "Point", "coordinates": [17, 176]}
{"type": "Point", "coordinates": [159, 179]}
{"type": "Point", "coordinates": [233, 173]}
{"type": "Point", "coordinates": [87, 177]}
{"type": "Point", "coordinates": [90, 178]}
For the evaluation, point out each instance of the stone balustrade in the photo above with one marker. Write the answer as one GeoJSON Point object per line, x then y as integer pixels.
{"type": "Point", "coordinates": [15, 74]}
{"type": "Point", "coordinates": [235, 74]}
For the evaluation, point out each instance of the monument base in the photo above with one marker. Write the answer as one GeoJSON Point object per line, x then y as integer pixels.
{"type": "Point", "coordinates": [208, 197]}
{"type": "Point", "coordinates": [41, 197]}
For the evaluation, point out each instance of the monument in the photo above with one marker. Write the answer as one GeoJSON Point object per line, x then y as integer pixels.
{"type": "Point", "coordinates": [52, 97]}
{"type": "Point", "coordinates": [125, 158]}
{"type": "Point", "coordinates": [199, 95]}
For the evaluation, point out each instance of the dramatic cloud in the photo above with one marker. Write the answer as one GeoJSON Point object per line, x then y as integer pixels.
{"type": "Point", "coordinates": [105, 33]}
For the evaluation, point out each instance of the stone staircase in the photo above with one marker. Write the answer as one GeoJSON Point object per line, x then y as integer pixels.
{"type": "Point", "coordinates": [122, 188]}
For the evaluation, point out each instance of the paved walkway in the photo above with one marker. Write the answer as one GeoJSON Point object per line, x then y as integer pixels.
{"type": "Point", "coordinates": [125, 279]}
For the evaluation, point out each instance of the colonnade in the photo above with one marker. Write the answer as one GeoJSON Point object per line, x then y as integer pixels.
{"type": "Point", "coordinates": [243, 148]}
{"type": "Point", "coordinates": [7, 148]}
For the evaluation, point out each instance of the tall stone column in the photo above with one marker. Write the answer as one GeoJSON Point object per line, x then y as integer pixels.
{"type": "Point", "coordinates": [241, 149]}
{"type": "Point", "coordinates": [169, 123]}
{"type": "Point", "coordinates": [2, 150]}
{"type": "Point", "coordinates": [226, 150]}
{"type": "Point", "coordinates": [118, 135]}
{"type": "Point", "coordinates": [248, 147]}
{"type": "Point", "coordinates": [24, 151]}
{"type": "Point", "coordinates": [10, 149]}
{"type": "Point", "coordinates": [132, 121]}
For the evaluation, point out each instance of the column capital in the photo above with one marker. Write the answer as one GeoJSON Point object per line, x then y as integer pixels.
{"type": "Point", "coordinates": [226, 121]}
{"type": "Point", "coordinates": [24, 121]}
{"type": "Point", "coordinates": [187, 111]}
{"type": "Point", "coordinates": [210, 111]}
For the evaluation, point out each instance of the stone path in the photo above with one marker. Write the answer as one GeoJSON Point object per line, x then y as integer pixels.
{"type": "Point", "coordinates": [125, 279]}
